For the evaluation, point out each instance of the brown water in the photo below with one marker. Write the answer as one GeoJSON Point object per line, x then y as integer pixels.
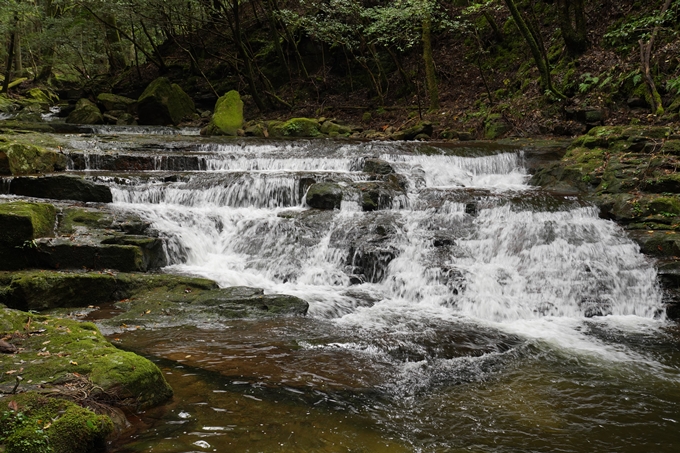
{"type": "Point", "coordinates": [298, 385]}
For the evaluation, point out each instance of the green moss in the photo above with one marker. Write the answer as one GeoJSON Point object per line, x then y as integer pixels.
{"type": "Point", "coordinates": [228, 116]}
{"type": "Point", "coordinates": [42, 424]}
{"type": "Point", "coordinates": [115, 102]}
{"type": "Point", "coordinates": [665, 205]}
{"type": "Point", "coordinates": [77, 217]}
{"type": "Point", "coordinates": [61, 346]}
{"type": "Point", "coordinates": [85, 113]}
{"type": "Point", "coordinates": [23, 159]}
{"type": "Point", "coordinates": [164, 103]}
{"type": "Point", "coordinates": [301, 127]}
{"type": "Point", "coordinates": [22, 221]}
{"type": "Point", "coordinates": [44, 97]}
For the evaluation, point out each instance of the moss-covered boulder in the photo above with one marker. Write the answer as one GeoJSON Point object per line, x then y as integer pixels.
{"type": "Point", "coordinates": [7, 105]}
{"type": "Point", "coordinates": [43, 96]}
{"type": "Point", "coordinates": [51, 350]}
{"type": "Point", "coordinates": [324, 195]}
{"type": "Point", "coordinates": [295, 127]}
{"type": "Point", "coordinates": [335, 130]}
{"type": "Point", "coordinates": [112, 102]}
{"type": "Point", "coordinates": [85, 113]}
{"type": "Point", "coordinates": [377, 166]}
{"type": "Point", "coordinates": [21, 222]}
{"type": "Point", "coordinates": [36, 423]}
{"type": "Point", "coordinates": [25, 159]}
{"type": "Point", "coordinates": [164, 103]}
{"type": "Point", "coordinates": [61, 188]}
{"type": "Point", "coordinates": [228, 116]}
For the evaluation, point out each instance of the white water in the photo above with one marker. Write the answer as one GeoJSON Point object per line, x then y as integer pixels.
{"type": "Point", "coordinates": [538, 274]}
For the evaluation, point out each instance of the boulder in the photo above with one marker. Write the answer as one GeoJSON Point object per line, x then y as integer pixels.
{"type": "Point", "coordinates": [377, 166]}
{"type": "Point", "coordinates": [163, 103]}
{"type": "Point", "coordinates": [85, 113]}
{"type": "Point", "coordinates": [324, 195]}
{"type": "Point", "coordinates": [44, 97]}
{"type": "Point", "coordinates": [24, 159]}
{"type": "Point", "coordinates": [61, 188]}
{"type": "Point", "coordinates": [21, 221]}
{"type": "Point", "coordinates": [422, 128]}
{"type": "Point", "coordinates": [301, 127]}
{"type": "Point", "coordinates": [111, 102]}
{"type": "Point", "coordinates": [228, 116]}
{"type": "Point", "coordinates": [334, 130]}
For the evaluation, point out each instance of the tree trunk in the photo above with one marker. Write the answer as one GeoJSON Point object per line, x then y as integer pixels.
{"type": "Point", "coordinates": [645, 57]}
{"type": "Point", "coordinates": [117, 58]}
{"type": "Point", "coordinates": [430, 74]}
{"type": "Point", "coordinates": [10, 54]}
{"type": "Point", "coordinates": [543, 70]}
{"type": "Point", "coordinates": [18, 62]}
{"type": "Point", "coordinates": [575, 35]}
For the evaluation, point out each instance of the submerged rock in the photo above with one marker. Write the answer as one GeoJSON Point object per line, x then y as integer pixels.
{"type": "Point", "coordinates": [61, 188]}
{"type": "Point", "coordinates": [163, 103]}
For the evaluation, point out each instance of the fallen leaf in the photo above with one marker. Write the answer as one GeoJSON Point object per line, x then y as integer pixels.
{"type": "Point", "coordinates": [13, 405]}
{"type": "Point", "coordinates": [72, 362]}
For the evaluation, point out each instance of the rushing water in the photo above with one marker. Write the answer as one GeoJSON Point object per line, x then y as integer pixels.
{"type": "Point", "coordinates": [476, 314]}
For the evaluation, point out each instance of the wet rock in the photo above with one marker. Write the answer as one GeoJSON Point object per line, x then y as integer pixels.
{"type": "Point", "coordinates": [122, 253]}
{"type": "Point", "coordinates": [370, 261]}
{"type": "Point", "coordinates": [657, 243]}
{"type": "Point", "coordinates": [324, 195]}
{"type": "Point", "coordinates": [25, 159]}
{"type": "Point", "coordinates": [163, 103]}
{"type": "Point", "coordinates": [377, 166]}
{"type": "Point", "coordinates": [294, 127]}
{"type": "Point", "coordinates": [228, 116]}
{"type": "Point", "coordinates": [242, 301]}
{"type": "Point", "coordinates": [112, 102]}
{"type": "Point", "coordinates": [375, 195]}
{"type": "Point", "coordinates": [61, 188]}
{"type": "Point", "coordinates": [85, 113]}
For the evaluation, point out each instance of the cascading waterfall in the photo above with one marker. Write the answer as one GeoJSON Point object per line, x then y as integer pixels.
{"type": "Point", "coordinates": [244, 223]}
{"type": "Point", "coordinates": [466, 275]}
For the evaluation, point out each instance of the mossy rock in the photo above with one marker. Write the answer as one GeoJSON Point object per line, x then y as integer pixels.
{"type": "Point", "coordinates": [331, 128]}
{"type": "Point", "coordinates": [377, 166]}
{"type": "Point", "coordinates": [113, 102]}
{"type": "Point", "coordinates": [256, 130]}
{"type": "Point", "coordinates": [42, 96]}
{"type": "Point", "coordinates": [228, 116]}
{"type": "Point", "coordinates": [324, 195]}
{"type": "Point", "coordinates": [301, 127]}
{"type": "Point", "coordinates": [25, 159]}
{"type": "Point", "coordinates": [163, 103]}
{"type": "Point", "coordinates": [21, 222]}
{"type": "Point", "coordinates": [43, 424]}
{"type": "Point", "coordinates": [85, 113]}
{"type": "Point", "coordinates": [54, 348]}
{"type": "Point", "coordinates": [6, 104]}
{"type": "Point", "coordinates": [665, 205]}
{"type": "Point", "coordinates": [61, 188]}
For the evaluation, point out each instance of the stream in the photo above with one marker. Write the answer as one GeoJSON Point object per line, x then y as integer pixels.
{"type": "Point", "coordinates": [472, 312]}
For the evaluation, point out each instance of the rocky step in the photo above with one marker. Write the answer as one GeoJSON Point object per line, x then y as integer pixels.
{"type": "Point", "coordinates": [59, 187]}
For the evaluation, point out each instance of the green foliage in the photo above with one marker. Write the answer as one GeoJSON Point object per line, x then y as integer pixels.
{"type": "Point", "coordinates": [673, 85]}
{"type": "Point", "coordinates": [634, 28]}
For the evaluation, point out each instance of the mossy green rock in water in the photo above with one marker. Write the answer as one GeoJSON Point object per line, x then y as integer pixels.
{"type": "Point", "coordinates": [324, 195]}
{"type": "Point", "coordinates": [40, 424]}
{"type": "Point", "coordinates": [21, 222]}
{"type": "Point", "coordinates": [53, 349]}
{"type": "Point", "coordinates": [85, 113]}
{"type": "Point", "coordinates": [25, 159]}
{"type": "Point", "coordinates": [228, 116]}
{"type": "Point", "coordinates": [163, 103]}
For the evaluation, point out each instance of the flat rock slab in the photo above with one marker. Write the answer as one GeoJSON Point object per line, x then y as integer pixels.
{"type": "Point", "coordinates": [61, 188]}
